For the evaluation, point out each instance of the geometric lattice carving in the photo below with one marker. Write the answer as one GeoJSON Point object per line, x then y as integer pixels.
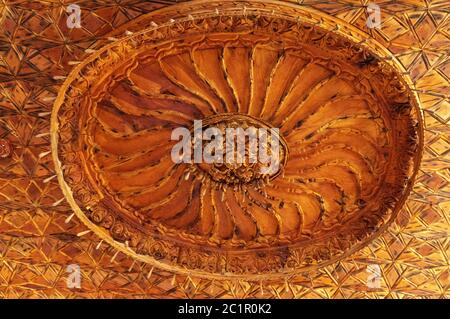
{"type": "Point", "coordinates": [36, 244]}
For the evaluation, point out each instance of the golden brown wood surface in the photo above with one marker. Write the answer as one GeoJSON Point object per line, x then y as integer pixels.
{"type": "Point", "coordinates": [353, 136]}
{"type": "Point", "coordinates": [351, 133]}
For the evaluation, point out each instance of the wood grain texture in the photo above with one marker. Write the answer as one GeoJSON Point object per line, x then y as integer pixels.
{"type": "Point", "coordinates": [36, 244]}
{"type": "Point", "coordinates": [350, 130]}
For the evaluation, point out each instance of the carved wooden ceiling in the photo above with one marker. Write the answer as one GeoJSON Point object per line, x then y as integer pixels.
{"type": "Point", "coordinates": [86, 177]}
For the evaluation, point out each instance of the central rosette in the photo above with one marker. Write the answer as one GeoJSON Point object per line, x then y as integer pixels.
{"type": "Point", "coordinates": [232, 149]}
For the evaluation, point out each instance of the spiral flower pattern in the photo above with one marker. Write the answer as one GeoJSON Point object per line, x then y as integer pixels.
{"type": "Point", "coordinates": [337, 139]}
{"type": "Point", "coordinates": [346, 126]}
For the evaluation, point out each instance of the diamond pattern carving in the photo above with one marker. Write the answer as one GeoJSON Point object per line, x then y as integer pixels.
{"type": "Point", "coordinates": [36, 243]}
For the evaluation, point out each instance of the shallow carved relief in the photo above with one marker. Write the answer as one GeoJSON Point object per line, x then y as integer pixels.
{"type": "Point", "coordinates": [349, 127]}
{"type": "Point", "coordinates": [5, 148]}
